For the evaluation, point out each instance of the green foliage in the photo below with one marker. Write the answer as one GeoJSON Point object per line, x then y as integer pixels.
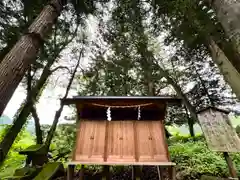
{"type": "Point", "coordinates": [14, 160]}
{"type": "Point", "coordinates": [62, 142]}
{"type": "Point", "coordinates": [177, 138]}
{"type": "Point", "coordinates": [193, 159]}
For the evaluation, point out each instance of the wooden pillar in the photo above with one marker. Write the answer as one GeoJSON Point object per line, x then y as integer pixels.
{"type": "Point", "coordinates": [160, 172]}
{"type": "Point", "coordinates": [106, 173]}
{"type": "Point", "coordinates": [70, 172]}
{"type": "Point", "coordinates": [172, 172]}
{"type": "Point", "coordinates": [230, 164]}
{"type": "Point", "coordinates": [136, 173]}
{"type": "Point", "coordinates": [81, 175]}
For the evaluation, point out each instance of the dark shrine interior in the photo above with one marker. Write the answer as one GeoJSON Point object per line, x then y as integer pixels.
{"type": "Point", "coordinates": [152, 112]}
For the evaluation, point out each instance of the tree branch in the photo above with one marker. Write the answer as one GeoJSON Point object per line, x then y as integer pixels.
{"type": "Point", "coordinates": [59, 67]}
{"type": "Point", "coordinates": [59, 111]}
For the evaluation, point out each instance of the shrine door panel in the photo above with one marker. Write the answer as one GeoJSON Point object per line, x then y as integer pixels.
{"type": "Point", "coordinates": [160, 150]}
{"type": "Point", "coordinates": [150, 142]}
{"type": "Point", "coordinates": [91, 141]}
{"type": "Point", "coordinates": [120, 146]}
{"type": "Point", "coordinates": [143, 141]}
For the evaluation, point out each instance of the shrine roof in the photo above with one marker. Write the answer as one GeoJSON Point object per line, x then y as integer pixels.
{"type": "Point", "coordinates": [122, 99]}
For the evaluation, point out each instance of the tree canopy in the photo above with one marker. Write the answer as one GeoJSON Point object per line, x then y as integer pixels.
{"type": "Point", "coordinates": [180, 48]}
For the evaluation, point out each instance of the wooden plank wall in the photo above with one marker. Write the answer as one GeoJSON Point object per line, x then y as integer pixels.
{"type": "Point", "coordinates": [121, 141]}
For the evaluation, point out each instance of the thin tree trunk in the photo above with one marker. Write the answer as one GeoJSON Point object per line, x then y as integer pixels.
{"type": "Point", "coordinates": [230, 74]}
{"type": "Point", "coordinates": [204, 87]}
{"type": "Point", "coordinates": [59, 111]}
{"type": "Point", "coordinates": [38, 130]}
{"type": "Point", "coordinates": [33, 110]}
{"type": "Point", "coordinates": [190, 123]}
{"type": "Point", "coordinates": [17, 61]}
{"type": "Point", "coordinates": [179, 92]}
{"type": "Point", "coordinates": [186, 102]}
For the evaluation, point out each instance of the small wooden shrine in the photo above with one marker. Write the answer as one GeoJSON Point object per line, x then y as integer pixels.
{"type": "Point", "coordinates": [121, 130]}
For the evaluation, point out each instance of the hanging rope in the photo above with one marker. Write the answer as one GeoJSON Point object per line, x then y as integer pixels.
{"type": "Point", "coordinates": [109, 118]}
{"type": "Point", "coordinates": [139, 113]}
{"type": "Point", "coordinates": [122, 106]}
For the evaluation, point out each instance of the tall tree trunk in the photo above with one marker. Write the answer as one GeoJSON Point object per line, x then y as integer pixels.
{"type": "Point", "coordinates": [230, 74]}
{"type": "Point", "coordinates": [59, 111]}
{"type": "Point", "coordinates": [21, 119]}
{"type": "Point", "coordinates": [16, 62]}
{"type": "Point", "coordinates": [228, 13]}
{"type": "Point", "coordinates": [24, 112]}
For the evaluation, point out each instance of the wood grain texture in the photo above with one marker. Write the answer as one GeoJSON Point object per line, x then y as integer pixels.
{"type": "Point", "coordinates": [24, 52]}
{"type": "Point", "coordinates": [151, 143]}
{"type": "Point", "coordinates": [121, 142]}
{"type": "Point", "coordinates": [218, 131]}
{"type": "Point", "coordinates": [91, 141]}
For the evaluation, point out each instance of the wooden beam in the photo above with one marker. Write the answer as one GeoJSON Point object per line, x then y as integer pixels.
{"type": "Point", "coordinates": [230, 164]}
{"type": "Point", "coordinates": [70, 172]}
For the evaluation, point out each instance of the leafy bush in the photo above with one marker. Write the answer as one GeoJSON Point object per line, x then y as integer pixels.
{"type": "Point", "coordinates": [182, 139]}
{"type": "Point", "coordinates": [14, 160]}
{"type": "Point", "coordinates": [193, 159]}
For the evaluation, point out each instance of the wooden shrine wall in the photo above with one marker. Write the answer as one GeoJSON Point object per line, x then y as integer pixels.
{"type": "Point", "coordinates": [219, 133]}
{"type": "Point", "coordinates": [121, 141]}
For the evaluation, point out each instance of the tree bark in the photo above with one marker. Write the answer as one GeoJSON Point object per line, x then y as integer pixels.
{"type": "Point", "coordinates": [230, 74]}
{"type": "Point", "coordinates": [59, 111]}
{"type": "Point", "coordinates": [16, 62]}
{"type": "Point", "coordinates": [228, 13]}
